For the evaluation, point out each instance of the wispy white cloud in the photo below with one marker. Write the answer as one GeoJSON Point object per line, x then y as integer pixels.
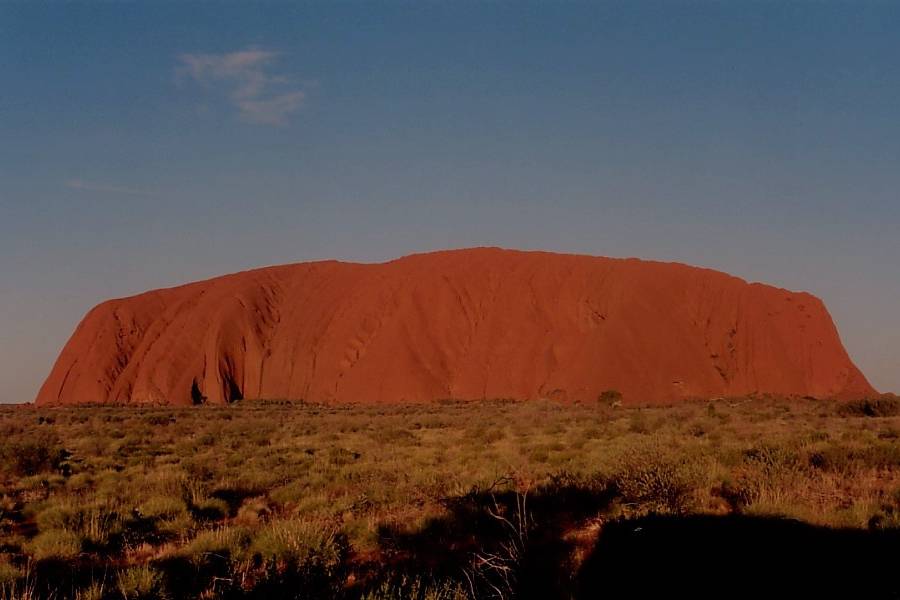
{"type": "Point", "coordinates": [259, 95]}
{"type": "Point", "coordinates": [93, 186]}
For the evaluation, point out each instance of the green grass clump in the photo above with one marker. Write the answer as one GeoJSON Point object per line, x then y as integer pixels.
{"type": "Point", "coordinates": [418, 587]}
{"type": "Point", "coordinates": [299, 543]}
{"type": "Point", "coordinates": [57, 544]}
{"type": "Point", "coordinates": [224, 542]}
{"type": "Point", "coordinates": [162, 507]}
{"type": "Point", "coordinates": [139, 583]}
{"type": "Point", "coordinates": [9, 574]}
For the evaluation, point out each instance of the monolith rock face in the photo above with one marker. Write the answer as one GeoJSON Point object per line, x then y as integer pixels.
{"type": "Point", "coordinates": [472, 324]}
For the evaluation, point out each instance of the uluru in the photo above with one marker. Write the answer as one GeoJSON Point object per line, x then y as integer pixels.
{"type": "Point", "coordinates": [480, 323]}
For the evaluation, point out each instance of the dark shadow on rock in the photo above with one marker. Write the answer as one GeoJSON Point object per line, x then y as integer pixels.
{"type": "Point", "coordinates": [739, 557]}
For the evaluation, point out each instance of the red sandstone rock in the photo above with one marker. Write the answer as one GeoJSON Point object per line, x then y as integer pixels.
{"type": "Point", "coordinates": [466, 324]}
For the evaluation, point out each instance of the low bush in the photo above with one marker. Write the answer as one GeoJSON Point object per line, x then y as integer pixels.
{"type": "Point", "coordinates": [9, 574]}
{"type": "Point", "coordinates": [300, 544]}
{"type": "Point", "coordinates": [57, 544]}
{"type": "Point", "coordinates": [33, 456]}
{"type": "Point", "coordinates": [887, 406]}
{"type": "Point", "coordinates": [610, 398]}
{"type": "Point", "coordinates": [210, 509]}
{"type": "Point", "coordinates": [652, 480]}
{"type": "Point", "coordinates": [161, 507]}
{"type": "Point", "coordinates": [140, 583]}
{"type": "Point", "coordinates": [418, 588]}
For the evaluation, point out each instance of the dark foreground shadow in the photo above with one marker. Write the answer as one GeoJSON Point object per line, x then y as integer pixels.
{"type": "Point", "coordinates": [739, 557]}
{"type": "Point", "coordinates": [657, 556]}
{"type": "Point", "coordinates": [502, 544]}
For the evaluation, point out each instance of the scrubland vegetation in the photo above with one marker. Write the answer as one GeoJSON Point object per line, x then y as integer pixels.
{"type": "Point", "coordinates": [445, 501]}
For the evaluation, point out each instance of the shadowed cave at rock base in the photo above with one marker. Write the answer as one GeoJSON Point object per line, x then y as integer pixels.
{"type": "Point", "coordinates": [231, 392]}
{"type": "Point", "coordinates": [197, 397]}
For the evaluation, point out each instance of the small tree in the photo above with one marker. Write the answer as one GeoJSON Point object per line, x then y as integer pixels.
{"type": "Point", "coordinates": [610, 398]}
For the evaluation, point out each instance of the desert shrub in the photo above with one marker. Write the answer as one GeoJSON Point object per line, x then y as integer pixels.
{"type": "Point", "coordinates": [210, 509]}
{"type": "Point", "coordinates": [887, 516]}
{"type": "Point", "coordinates": [434, 422]}
{"type": "Point", "coordinates": [57, 517]}
{"type": "Point", "coordinates": [638, 423]}
{"type": "Point", "coordinates": [161, 507]}
{"type": "Point", "coordinates": [393, 436]}
{"type": "Point", "coordinates": [772, 458]}
{"type": "Point", "coordinates": [199, 469]}
{"type": "Point", "coordinates": [261, 438]}
{"type": "Point", "coordinates": [769, 479]}
{"type": "Point", "coordinates": [33, 456]}
{"type": "Point", "coordinates": [207, 439]}
{"type": "Point", "coordinates": [9, 574]}
{"type": "Point", "coordinates": [234, 492]}
{"type": "Point", "coordinates": [222, 544]}
{"type": "Point", "coordinates": [840, 458]}
{"type": "Point", "coordinates": [871, 407]}
{"type": "Point", "coordinates": [192, 491]}
{"type": "Point", "coordinates": [610, 398]}
{"type": "Point", "coordinates": [538, 454]}
{"type": "Point", "coordinates": [738, 493]}
{"type": "Point", "coordinates": [889, 433]}
{"type": "Point", "coordinates": [130, 445]}
{"type": "Point", "coordinates": [159, 420]}
{"type": "Point", "coordinates": [58, 544]}
{"type": "Point", "coordinates": [139, 583]}
{"type": "Point", "coordinates": [649, 479]}
{"type": "Point", "coordinates": [80, 482]}
{"type": "Point", "coordinates": [591, 433]}
{"type": "Point", "coordinates": [18, 590]}
{"type": "Point", "coordinates": [96, 525]}
{"type": "Point", "coordinates": [253, 510]}
{"type": "Point", "coordinates": [697, 429]}
{"type": "Point", "coordinates": [299, 542]}
{"type": "Point", "coordinates": [417, 588]}
{"type": "Point", "coordinates": [300, 555]}
{"type": "Point", "coordinates": [289, 493]}
{"type": "Point", "coordinates": [485, 434]}
{"type": "Point", "coordinates": [342, 456]}
{"type": "Point", "coordinates": [178, 526]}
{"type": "Point", "coordinates": [95, 591]}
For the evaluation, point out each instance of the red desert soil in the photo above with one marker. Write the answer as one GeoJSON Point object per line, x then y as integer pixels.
{"type": "Point", "coordinates": [466, 324]}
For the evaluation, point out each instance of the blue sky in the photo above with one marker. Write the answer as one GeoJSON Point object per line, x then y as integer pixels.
{"type": "Point", "coordinates": [150, 144]}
